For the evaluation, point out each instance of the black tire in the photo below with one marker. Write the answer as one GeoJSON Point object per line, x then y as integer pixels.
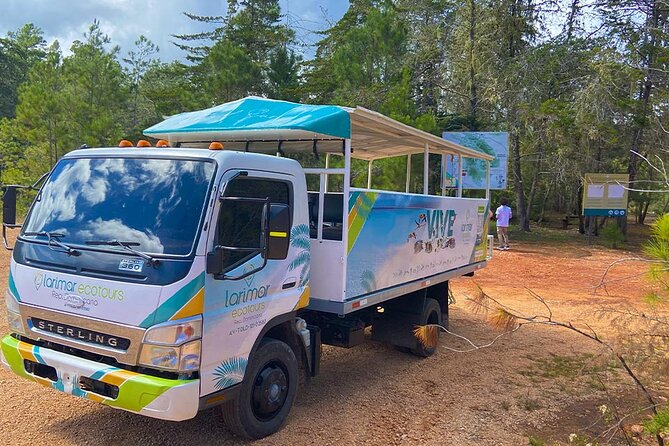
{"type": "Point", "coordinates": [267, 392]}
{"type": "Point", "coordinates": [431, 315]}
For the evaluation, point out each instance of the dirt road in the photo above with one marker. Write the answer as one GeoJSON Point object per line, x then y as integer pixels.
{"type": "Point", "coordinates": [539, 381]}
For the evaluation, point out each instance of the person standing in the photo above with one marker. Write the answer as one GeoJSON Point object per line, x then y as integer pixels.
{"type": "Point", "coordinates": [503, 215]}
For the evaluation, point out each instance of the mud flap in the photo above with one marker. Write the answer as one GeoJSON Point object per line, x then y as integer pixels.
{"type": "Point", "coordinates": [396, 328]}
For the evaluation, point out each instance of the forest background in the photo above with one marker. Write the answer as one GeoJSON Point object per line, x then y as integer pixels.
{"type": "Point", "coordinates": [580, 85]}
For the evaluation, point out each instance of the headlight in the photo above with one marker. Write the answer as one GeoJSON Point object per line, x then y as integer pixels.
{"type": "Point", "coordinates": [190, 357]}
{"type": "Point", "coordinates": [173, 346]}
{"type": "Point", "coordinates": [12, 303]}
{"type": "Point", "coordinates": [15, 322]}
{"type": "Point", "coordinates": [175, 333]}
{"type": "Point", "coordinates": [13, 314]}
{"type": "Point", "coordinates": [160, 357]}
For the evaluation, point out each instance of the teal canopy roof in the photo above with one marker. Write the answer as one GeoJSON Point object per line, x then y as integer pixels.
{"type": "Point", "coordinates": [264, 125]}
{"type": "Point", "coordinates": [254, 115]}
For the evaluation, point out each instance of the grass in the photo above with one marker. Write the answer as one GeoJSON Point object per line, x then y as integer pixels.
{"type": "Point", "coordinates": [534, 441]}
{"type": "Point", "coordinates": [529, 404]}
{"type": "Point", "coordinates": [566, 367]}
{"type": "Point", "coordinates": [551, 233]}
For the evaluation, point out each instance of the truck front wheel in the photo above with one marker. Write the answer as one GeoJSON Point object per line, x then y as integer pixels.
{"type": "Point", "coordinates": [267, 392]}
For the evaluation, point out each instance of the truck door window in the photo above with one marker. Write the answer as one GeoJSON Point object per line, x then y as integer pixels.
{"type": "Point", "coordinates": [239, 222]}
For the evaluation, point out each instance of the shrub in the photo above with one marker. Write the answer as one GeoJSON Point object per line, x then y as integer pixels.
{"type": "Point", "coordinates": [613, 236]}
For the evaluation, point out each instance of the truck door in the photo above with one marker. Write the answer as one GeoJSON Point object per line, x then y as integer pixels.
{"type": "Point", "coordinates": [254, 290]}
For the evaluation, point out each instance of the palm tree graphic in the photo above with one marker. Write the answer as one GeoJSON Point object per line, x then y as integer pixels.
{"type": "Point", "coordinates": [299, 238]}
{"type": "Point", "coordinates": [368, 281]}
{"type": "Point", "coordinates": [229, 372]}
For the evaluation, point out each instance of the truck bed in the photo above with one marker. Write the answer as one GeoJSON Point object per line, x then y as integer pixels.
{"type": "Point", "coordinates": [391, 244]}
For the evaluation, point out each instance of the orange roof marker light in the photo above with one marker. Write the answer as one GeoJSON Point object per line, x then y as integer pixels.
{"type": "Point", "coordinates": [125, 143]}
{"type": "Point", "coordinates": [143, 143]}
{"type": "Point", "coordinates": [162, 143]}
{"type": "Point", "coordinates": [215, 146]}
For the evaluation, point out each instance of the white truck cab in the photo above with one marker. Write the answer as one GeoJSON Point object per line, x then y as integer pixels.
{"type": "Point", "coordinates": [163, 281]}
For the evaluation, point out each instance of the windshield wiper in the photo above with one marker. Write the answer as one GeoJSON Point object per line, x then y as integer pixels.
{"type": "Point", "coordinates": [52, 240]}
{"type": "Point", "coordinates": [127, 246]}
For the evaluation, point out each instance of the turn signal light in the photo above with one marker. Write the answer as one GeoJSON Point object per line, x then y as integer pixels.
{"type": "Point", "coordinates": [215, 146]}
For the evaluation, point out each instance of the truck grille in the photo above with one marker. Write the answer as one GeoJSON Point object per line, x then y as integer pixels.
{"type": "Point", "coordinates": [80, 334]}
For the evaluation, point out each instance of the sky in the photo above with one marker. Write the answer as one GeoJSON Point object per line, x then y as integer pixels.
{"type": "Point", "coordinates": [125, 20]}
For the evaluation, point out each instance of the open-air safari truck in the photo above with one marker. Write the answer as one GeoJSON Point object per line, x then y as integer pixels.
{"type": "Point", "coordinates": [166, 280]}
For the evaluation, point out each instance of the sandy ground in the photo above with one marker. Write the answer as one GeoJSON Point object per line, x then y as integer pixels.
{"type": "Point", "coordinates": [536, 382]}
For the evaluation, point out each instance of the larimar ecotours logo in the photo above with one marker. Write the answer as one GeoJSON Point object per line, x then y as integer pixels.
{"type": "Point", "coordinates": [247, 295]}
{"type": "Point", "coordinates": [81, 288]}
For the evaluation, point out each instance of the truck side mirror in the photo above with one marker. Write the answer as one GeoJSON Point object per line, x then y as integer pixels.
{"type": "Point", "coordinates": [8, 213]}
{"type": "Point", "coordinates": [215, 261]}
{"type": "Point", "coordinates": [9, 205]}
{"type": "Point", "coordinates": [279, 232]}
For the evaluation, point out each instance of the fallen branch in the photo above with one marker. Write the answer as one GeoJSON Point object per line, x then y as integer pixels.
{"type": "Point", "coordinates": [510, 321]}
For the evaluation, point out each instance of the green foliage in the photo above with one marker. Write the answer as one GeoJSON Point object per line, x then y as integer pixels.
{"type": "Point", "coordinates": [284, 74]}
{"type": "Point", "coordinates": [245, 53]}
{"type": "Point", "coordinates": [169, 88]}
{"type": "Point", "coordinates": [659, 423]}
{"type": "Point", "coordinates": [18, 53]}
{"type": "Point", "coordinates": [360, 59]}
{"type": "Point", "coordinates": [573, 102]}
{"type": "Point", "coordinates": [657, 248]}
{"type": "Point", "coordinates": [227, 73]}
{"type": "Point", "coordinates": [534, 441]}
{"type": "Point", "coordinates": [141, 113]}
{"type": "Point", "coordinates": [612, 235]}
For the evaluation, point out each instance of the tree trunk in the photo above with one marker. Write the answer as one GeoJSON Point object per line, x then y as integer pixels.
{"type": "Point", "coordinates": [571, 19]}
{"type": "Point", "coordinates": [535, 178]}
{"type": "Point", "coordinates": [644, 212]}
{"type": "Point", "coordinates": [641, 118]}
{"type": "Point", "coordinates": [542, 212]}
{"type": "Point", "coordinates": [523, 215]}
{"type": "Point", "coordinates": [581, 217]}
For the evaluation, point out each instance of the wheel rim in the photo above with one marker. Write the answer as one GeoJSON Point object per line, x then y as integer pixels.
{"type": "Point", "coordinates": [270, 390]}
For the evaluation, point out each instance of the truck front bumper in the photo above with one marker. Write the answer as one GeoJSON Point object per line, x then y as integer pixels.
{"type": "Point", "coordinates": [166, 399]}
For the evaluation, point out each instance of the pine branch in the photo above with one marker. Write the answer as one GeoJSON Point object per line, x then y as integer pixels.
{"type": "Point", "coordinates": [205, 18]}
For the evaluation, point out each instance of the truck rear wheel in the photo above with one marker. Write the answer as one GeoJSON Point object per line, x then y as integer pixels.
{"type": "Point", "coordinates": [431, 315]}
{"type": "Point", "coordinates": [267, 392]}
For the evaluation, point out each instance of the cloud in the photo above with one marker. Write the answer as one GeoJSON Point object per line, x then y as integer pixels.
{"type": "Point", "coordinates": [125, 20]}
{"type": "Point", "coordinates": [100, 229]}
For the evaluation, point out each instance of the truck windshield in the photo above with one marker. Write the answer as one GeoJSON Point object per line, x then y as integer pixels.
{"type": "Point", "coordinates": [154, 204]}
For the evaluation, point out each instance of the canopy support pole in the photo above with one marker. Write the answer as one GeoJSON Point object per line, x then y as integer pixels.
{"type": "Point", "coordinates": [426, 168]}
{"type": "Point", "coordinates": [344, 217]}
{"type": "Point", "coordinates": [369, 174]}
{"type": "Point", "coordinates": [442, 175]}
{"type": "Point", "coordinates": [487, 180]}
{"type": "Point", "coordinates": [327, 166]}
{"type": "Point", "coordinates": [408, 172]}
{"type": "Point", "coordinates": [460, 175]}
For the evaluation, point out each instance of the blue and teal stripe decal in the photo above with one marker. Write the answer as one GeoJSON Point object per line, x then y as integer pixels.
{"type": "Point", "coordinates": [100, 373]}
{"type": "Point", "coordinates": [37, 355]}
{"type": "Point", "coordinates": [168, 308]}
{"type": "Point", "coordinates": [12, 286]}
